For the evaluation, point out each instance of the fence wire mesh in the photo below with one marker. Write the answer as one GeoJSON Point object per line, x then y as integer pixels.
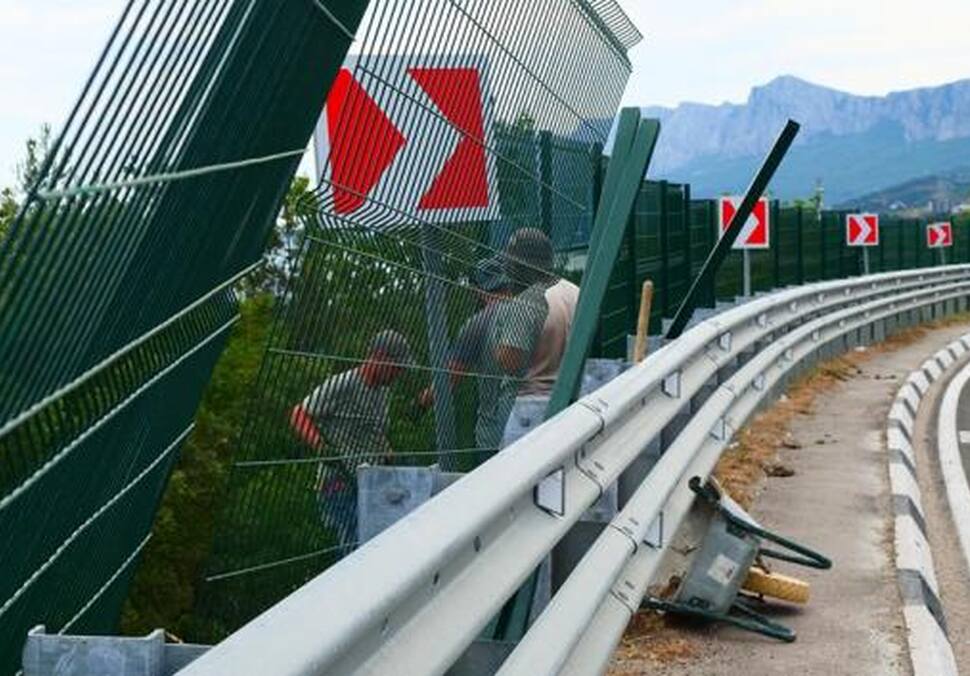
{"type": "Point", "coordinates": [461, 164]}
{"type": "Point", "coordinates": [116, 282]}
{"type": "Point", "coordinates": [459, 158]}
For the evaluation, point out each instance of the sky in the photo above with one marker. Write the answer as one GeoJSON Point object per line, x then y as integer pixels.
{"type": "Point", "coordinates": [707, 51]}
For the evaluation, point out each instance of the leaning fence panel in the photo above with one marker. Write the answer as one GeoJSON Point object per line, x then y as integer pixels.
{"type": "Point", "coordinates": [117, 277]}
{"type": "Point", "coordinates": [458, 167]}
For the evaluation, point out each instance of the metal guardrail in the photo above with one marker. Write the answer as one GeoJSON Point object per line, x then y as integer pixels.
{"type": "Point", "coordinates": [411, 600]}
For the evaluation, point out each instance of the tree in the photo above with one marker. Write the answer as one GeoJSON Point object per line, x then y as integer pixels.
{"type": "Point", "coordinates": [8, 210]}
{"type": "Point", "coordinates": [28, 171]}
{"type": "Point", "coordinates": [286, 240]}
{"type": "Point", "coordinates": [37, 149]}
{"type": "Point", "coordinates": [164, 589]}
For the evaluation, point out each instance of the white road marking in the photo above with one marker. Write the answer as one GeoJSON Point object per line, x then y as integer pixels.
{"type": "Point", "coordinates": [964, 437]}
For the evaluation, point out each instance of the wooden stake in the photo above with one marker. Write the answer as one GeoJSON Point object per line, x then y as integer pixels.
{"type": "Point", "coordinates": [643, 322]}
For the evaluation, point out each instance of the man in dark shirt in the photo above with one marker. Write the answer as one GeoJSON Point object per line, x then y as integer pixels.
{"type": "Point", "coordinates": [465, 357]}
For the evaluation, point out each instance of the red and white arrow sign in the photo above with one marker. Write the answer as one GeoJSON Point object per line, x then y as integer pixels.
{"type": "Point", "coordinates": [755, 234]}
{"type": "Point", "coordinates": [409, 142]}
{"type": "Point", "coordinates": [862, 230]}
{"type": "Point", "coordinates": [939, 235]}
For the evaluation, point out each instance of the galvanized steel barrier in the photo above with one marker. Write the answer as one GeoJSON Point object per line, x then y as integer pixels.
{"type": "Point", "coordinates": [413, 599]}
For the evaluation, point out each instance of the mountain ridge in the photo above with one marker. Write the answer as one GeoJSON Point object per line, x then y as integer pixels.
{"type": "Point", "coordinates": [697, 136]}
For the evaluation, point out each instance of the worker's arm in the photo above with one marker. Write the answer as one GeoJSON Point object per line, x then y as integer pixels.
{"type": "Point", "coordinates": [306, 430]}
{"type": "Point", "coordinates": [510, 359]}
{"type": "Point", "coordinates": [518, 326]}
{"type": "Point", "coordinates": [456, 370]}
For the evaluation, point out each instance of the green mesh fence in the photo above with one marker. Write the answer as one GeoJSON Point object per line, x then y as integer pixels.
{"type": "Point", "coordinates": [442, 223]}
{"type": "Point", "coordinates": [668, 245]}
{"type": "Point", "coordinates": [117, 277]}
{"type": "Point", "coordinates": [116, 282]}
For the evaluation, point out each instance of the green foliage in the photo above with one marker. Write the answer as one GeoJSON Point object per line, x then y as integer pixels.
{"type": "Point", "coordinates": [35, 152]}
{"type": "Point", "coordinates": [28, 169]}
{"type": "Point", "coordinates": [286, 240]}
{"type": "Point", "coordinates": [164, 588]}
{"type": "Point", "coordinates": [8, 209]}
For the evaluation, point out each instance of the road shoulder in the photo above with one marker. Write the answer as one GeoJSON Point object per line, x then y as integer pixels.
{"type": "Point", "coordinates": [837, 501]}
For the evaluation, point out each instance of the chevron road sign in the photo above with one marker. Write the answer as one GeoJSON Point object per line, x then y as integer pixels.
{"type": "Point", "coordinates": [420, 155]}
{"type": "Point", "coordinates": [756, 231]}
{"type": "Point", "coordinates": [862, 230]}
{"type": "Point", "coordinates": [939, 235]}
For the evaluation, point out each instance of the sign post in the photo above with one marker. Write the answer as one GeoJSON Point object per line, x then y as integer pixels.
{"type": "Point", "coordinates": [418, 160]}
{"type": "Point", "coordinates": [755, 233]}
{"type": "Point", "coordinates": [746, 273]}
{"type": "Point", "coordinates": [940, 236]}
{"type": "Point", "coordinates": [862, 230]}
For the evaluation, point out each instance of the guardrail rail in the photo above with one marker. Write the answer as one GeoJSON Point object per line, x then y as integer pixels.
{"type": "Point", "coordinates": [413, 599]}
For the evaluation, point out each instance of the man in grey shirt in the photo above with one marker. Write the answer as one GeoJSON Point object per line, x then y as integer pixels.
{"type": "Point", "coordinates": [346, 418]}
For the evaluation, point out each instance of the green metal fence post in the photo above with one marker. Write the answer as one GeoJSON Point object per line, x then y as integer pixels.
{"type": "Point", "coordinates": [545, 181]}
{"type": "Point", "coordinates": [920, 232]}
{"type": "Point", "coordinates": [799, 223]}
{"type": "Point", "coordinates": [636, 141]}
{"type": "Point", "coordinates": [710, 211]}
{"type": "Point", "coordinates": [776, 244]}
{"type": "Point", "coordinates": [882, 250]}
{"type": "Point", "coordinates": [688, 242]}
{"type": "Point", "coordinates": [822, 274]}
{"type": "Point", "coordinates": [900, 245]}
{"type": "Point", "coordinates": [623, 177]}
{"type": "Point", "coordinates": [664, 249]}
{"type": "Point", "coordinates": [839, 249]}
{"type": "Point", "coordinates": [596, 164]}
{"type": "Point", "coordinates": [634, 256]}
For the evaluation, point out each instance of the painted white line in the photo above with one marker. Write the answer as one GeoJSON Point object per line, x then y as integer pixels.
{"type": "Point", "coordinates": [964, 437]}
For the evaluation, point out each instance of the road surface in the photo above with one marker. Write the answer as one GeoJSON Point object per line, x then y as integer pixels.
{"type": "Point", "coordinates": [838, 501]}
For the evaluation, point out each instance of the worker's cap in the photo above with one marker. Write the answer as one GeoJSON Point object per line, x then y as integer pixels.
{"type": "Point", "coordinates": [489, 274]}
{"type": "Point", "coordinates": [393, 345]}
{"type": "Point", "coordinates": [528, 248]}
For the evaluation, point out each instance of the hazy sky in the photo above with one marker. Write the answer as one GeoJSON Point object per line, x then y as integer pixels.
{"type": "Point", "coordinates": [697, 50]}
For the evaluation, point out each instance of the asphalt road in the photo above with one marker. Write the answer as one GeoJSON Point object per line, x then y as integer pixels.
{"type": "Point", "coordinates": [838, 501]}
